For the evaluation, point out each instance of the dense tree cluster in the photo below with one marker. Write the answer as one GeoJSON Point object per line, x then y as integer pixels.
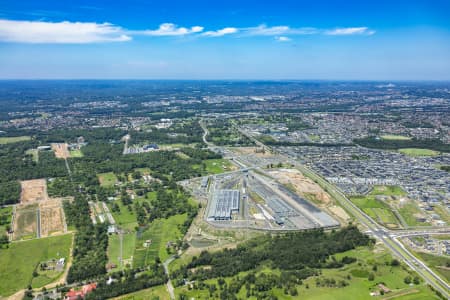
{"type": "Point", "coordinates": [91, 242]}
{"type": "Point", "coordinates": [9, 192]}
{"type": "Point", "coordinates": [291, 251]}
{"type": "Point", "coordinates": [373, 142]}
{"type": "Point", "coordinates": [127, 282]}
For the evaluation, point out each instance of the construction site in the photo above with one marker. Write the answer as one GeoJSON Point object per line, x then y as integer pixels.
{"type": "Point", "coordinates": [37, 215]}
{"type": "Point", "coordinates": [253, 199]}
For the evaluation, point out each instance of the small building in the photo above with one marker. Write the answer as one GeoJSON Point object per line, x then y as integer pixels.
{"type": "Point", "coordinates": [112, 229]}
{"type": "Point", "coordinates": [77, 294]}
{"type": "Point", "coordinates": [384, 288]}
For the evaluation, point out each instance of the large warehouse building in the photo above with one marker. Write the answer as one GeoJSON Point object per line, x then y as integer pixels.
{"type": "Point", "coordinates": [224, 204]}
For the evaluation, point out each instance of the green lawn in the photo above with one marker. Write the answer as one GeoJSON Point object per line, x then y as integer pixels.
{"type": "Point", "coordinates": [5, 218]}
{"type": "Point", "coordinates": [395, 137]}
{"type": "Point", "coordinates": [159, 232]}
{"type": "Point", "coordinates": [76, 153]}
{"type": "Point", "coordinates": [14, 139]}
{"type": "Point", "coordinates": [418, 152]}
{"type": "Point", "coordinates": [157, 292]}
{"type": "Point", "coordinates": [216, 166]}
{"type": "Point", "coordinates": [20, 259]}
{"type": "Point", "coordinates": [107, 179]}
{"type": "Point", "coordinates": [128, 246]}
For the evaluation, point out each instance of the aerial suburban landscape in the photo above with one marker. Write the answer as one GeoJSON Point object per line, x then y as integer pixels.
{"type": "Point", "coordinates": [238, 150]}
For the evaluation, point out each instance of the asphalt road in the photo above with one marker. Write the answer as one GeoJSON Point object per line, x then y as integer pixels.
{"type": "Point", "coordinates": [384, 235]}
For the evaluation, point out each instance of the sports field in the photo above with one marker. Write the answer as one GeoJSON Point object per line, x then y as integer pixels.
{"type": "Point", "coordinates": [216, 166]}
{"type": "Point", "coordinates": [20, 259]}
{"type": "Point", "coordinates": [395, 137]}
{"type": "Point", "coordinates": [14, 139]}
{"type": "Point", "coordinates": [418, 152]}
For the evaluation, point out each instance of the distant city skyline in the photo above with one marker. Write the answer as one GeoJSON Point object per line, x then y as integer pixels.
{"type": "Point", "coordinates": [248, 40]}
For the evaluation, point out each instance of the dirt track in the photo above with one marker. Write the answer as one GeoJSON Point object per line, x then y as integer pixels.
{"type": "Point", "coordinates": [61, 150]}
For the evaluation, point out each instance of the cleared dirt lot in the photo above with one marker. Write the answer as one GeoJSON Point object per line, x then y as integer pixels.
{"type": "Point", "coordinates": [37, 215]}
{"type": "Point", "coordinates": [52, 218]}
{"type": "Point", "coordinates": [302, 185]}
{"type": "Point", "coordinates": [33, 191]}
{"type": "Point", "coordinates": [257, 151]}
{"type": "Point", "coordinates": [61, 150]}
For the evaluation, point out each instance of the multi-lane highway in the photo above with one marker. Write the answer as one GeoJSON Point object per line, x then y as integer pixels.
{"type": "Point", "coordinates": [388, 237]}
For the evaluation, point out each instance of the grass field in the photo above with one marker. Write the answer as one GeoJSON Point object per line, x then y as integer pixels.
{"type": "Point", "coordinates": [5, 218]}
{"type": "Point", "coordinates": [216, 166]}
{"type": "Point", "coordinates": [76, 153]}
{"type": "Point", "coordinates": [359, 286]}
{"type": "Point", "coordinates": [34, 153]}
{"type": "Point", "coordinates": [157, 292]}
{"type": "Point", "coordinates": [376, 209]}
{"type": "Point", "coordinates": [388, 190]}
{"type": "Point", "coordinates": [418, 152]}
{"type": "Point", "coordinates": [395, 137]}
{"type": "Point", "coordinates": [125, 218]}
{"type": "Point", "coordinates": [14, 139]}
{"type": "Point", "coordinates": [437, 263]}
{"type": "Point", "coordinates": [409, 212]}
{"type": "Point", "coordinates": [107, 179]}
{"type": "Point", "coordinates": [159, 232]}
{"type": "Point", "coordinates": [443, 212]}
{"type": "Point", "coordinates": [25, 223]}
{"type": "Point", "coordinates": [20, 259]}
{"type": "Point", "coordinates": [128, 246]}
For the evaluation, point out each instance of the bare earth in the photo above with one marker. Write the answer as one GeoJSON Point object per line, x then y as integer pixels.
{"type": "Point", "coordinates": [34, 200]}
{"type": "Point", "coordinates": [302, 184]}
{"type": "Point", "coordinates": [33, 191]}
{"type": "Point", "coordinates": [61, 150]}
{"type": "Point", "coordinates": [252, 150]}
{"type": "Point", "coordinates": [51, 217]}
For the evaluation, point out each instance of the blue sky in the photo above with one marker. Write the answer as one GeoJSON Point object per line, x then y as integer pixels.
{"type": "Point", "coordinates": [362, 40]}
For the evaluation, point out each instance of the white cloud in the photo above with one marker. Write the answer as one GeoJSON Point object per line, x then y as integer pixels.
{"type": "Point", "coordinates": [90, 32]}
{"type": "Point", "coordinates": [170, 29]}
{"type": "Point", "coordinates": [283, 39]}
{"type": "Point", "coordinates": [221, 32]}
{"type": "Point", "coordinates": [60, 32]}
{"type": "Point", "coordinates": [350, 31]}
{"type": "Point", "coordinates": [264, 30]}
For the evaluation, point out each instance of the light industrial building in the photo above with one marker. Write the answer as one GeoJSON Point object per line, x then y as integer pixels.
{"type": "Point", "coordinates": [224, 204]}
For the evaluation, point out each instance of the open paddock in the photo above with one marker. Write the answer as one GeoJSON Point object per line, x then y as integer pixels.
{"type": "Point", "coordinates": [26, 222]}
{"type": "Point", "coordinates": [33, 191]}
